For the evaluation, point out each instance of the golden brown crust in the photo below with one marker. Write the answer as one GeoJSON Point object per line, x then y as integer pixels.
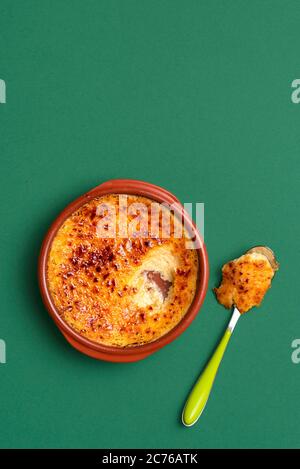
{"type": "Point", "coordinates": [245, 281]}
{"type": "Point", "coordinates": [105, 287]}
{"type": "Point", "coordinates": [266, 251]}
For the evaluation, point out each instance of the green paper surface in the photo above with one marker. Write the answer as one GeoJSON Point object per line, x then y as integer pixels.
{"type": "Point", "coordinates": [194, 96]}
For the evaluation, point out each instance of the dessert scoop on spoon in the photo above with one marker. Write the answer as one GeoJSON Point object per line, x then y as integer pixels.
{"type": "Point", "coordinates": [245, 281]}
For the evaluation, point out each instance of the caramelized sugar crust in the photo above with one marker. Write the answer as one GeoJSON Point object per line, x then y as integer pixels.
{"type": "Point", "coordinates": [245, 281]}
{"type": "Point", "coordinates": [120, 291]}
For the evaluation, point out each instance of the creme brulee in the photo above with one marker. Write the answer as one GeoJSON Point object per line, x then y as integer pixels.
{"type": "Point", "coordinates": [121, 290]}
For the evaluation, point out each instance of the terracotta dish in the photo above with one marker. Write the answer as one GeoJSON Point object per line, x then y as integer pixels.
{"type": "Point", "coordinates": [122, 297]}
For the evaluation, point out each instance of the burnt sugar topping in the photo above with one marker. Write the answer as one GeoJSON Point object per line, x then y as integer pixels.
{"type": "Point", "coordinates": [121, 285]}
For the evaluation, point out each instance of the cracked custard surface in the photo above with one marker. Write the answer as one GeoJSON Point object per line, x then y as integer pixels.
{"type": "Point", "coordinates": [121, 291]}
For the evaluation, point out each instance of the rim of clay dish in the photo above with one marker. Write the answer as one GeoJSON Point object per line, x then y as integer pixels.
{"type": "Point", "coordinates": [139, 188]}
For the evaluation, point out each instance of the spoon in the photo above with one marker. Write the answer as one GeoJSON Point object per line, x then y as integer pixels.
{"type": "Point", "coordinates": [199, 395]}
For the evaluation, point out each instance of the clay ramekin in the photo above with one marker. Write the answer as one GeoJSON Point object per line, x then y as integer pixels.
{"type": "Point", "coordinates": [116, 354]}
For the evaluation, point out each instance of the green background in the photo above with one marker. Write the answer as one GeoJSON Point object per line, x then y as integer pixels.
{"type": "Point", "coordinates": [191, 95]}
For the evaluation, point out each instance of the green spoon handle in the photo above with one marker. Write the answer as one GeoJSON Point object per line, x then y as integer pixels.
{"type": "Point", "coordinates": [199, 395]}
